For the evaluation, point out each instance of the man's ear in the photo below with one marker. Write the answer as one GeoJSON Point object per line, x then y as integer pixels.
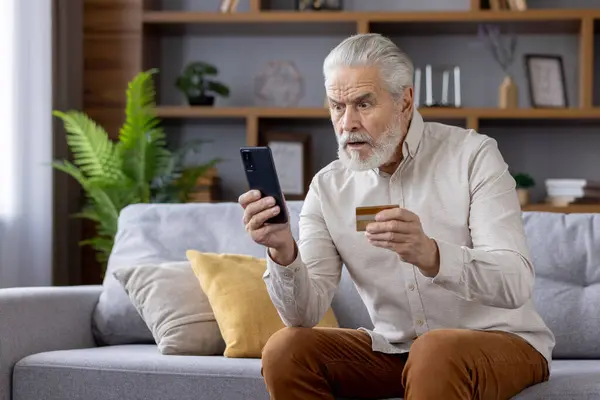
{"type": "Point", "coordinates": [407, 103]}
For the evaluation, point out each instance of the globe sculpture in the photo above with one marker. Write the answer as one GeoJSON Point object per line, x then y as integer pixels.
{"type": "Point", "coordinates": [279, 84]}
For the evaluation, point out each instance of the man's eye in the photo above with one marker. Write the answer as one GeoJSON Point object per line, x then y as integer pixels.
{"type": "Point", "coordinates": [363, 105]}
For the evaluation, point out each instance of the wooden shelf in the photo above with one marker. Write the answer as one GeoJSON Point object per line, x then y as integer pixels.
{"type": "Point", "coordinates": [193, 17]}
{"type": "Point", "coordinates": [186, 17]}
{"type": "Point", "coordinates": [317, 112]}
{"type": "Point", "coordinates": [203, 112]}
{"type": "Point", "coordinates": [571, 209]}
{"type": "Point", "coordinates": [531, 21]}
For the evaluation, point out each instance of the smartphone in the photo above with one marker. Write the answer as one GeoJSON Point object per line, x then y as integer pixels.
{"type": "Point", "coordinates": [262, 176]}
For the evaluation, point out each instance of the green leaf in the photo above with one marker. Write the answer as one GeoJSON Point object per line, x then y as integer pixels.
{"type": "Point", "coordinates": [523, 180]}
{"type": "Point", "coordinates": [70, 169]}
{"type": "Point", "coordinates": [190, 176]}
{"type": "Point", "coordinates": [103, 247]}
{"type": "Point", "coordinates": [99, 243]}
{"type": "Point", "coordinates": [218, 88]}
{"type": "Point", "coordinates": [93, 151]}
{"type": "Point", "coordinates": [200, 68]}
{"type": "Point", "coordinates": [142, 143]}
{"type": "Point", "coordinates": [88, 212]}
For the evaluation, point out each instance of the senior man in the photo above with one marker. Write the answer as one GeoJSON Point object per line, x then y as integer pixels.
{"type": "Point", "coordinates": [446, 276]}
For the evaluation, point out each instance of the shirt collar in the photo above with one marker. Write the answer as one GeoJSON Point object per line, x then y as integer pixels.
{"type": "Point", "coordinates": [415, 133]}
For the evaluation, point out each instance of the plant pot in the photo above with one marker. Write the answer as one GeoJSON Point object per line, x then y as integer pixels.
{"type": "Point", "coordinates": [201, 101]}
{"type": "Point", "coordinates": [508, 94]}
{"type": "Point", "coordinates": [523, 196]}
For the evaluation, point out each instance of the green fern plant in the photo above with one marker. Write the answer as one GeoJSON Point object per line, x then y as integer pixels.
{"type": "Point", "coordinates": [136, 168]}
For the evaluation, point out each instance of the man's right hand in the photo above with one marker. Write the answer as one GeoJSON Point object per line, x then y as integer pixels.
{"type": "Point", "coordinates": [277, 237]}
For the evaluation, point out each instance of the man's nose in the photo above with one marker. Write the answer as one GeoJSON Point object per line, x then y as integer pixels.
{"type": "Point", "coordinates": [350, 120]}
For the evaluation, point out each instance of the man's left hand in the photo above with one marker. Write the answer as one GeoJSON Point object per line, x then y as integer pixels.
{"type": "Point", "coordinates": [400, 230]}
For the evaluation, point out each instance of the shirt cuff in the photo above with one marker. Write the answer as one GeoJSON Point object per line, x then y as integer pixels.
{"type": "Point", "coordinates": [452, 263]}
{"type": "Point", "coordinates": [281, 272]}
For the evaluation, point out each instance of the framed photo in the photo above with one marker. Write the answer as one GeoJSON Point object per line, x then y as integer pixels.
{"type": "Point", "coordinates": [546, 77]}
{"type": "Point", "coordinates": [291, 154]}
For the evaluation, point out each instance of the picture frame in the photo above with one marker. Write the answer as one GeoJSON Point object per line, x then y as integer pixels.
{"type": "Point", "coordinates": [546, 81]}
{"type": "Point", "coordinates": [291, 154]}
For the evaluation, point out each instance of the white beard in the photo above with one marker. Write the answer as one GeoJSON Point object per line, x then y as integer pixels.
{"type": "Point", "coordinates": [381, 151]}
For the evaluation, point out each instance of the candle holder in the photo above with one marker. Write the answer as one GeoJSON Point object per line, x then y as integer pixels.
{"type": "Point", "coordinates": [442, 86]}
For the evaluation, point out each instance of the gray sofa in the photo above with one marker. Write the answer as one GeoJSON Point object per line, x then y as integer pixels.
{"type": "Point", "coordinates": [49, 336]}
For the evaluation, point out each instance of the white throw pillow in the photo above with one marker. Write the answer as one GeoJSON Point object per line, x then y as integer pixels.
{"type": "Point", "coordinates": [171, 302]}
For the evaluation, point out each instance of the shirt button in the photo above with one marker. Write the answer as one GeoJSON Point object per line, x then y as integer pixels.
{"type": "Point", "coordinates": [411, 287]}
{"type": "Point", "coordinates": [419, 322]}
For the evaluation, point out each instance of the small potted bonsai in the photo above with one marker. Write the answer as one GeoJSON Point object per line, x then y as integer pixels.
{"type": "Point", "coordinates": [524, 183]}
{"type": "Point", "coordinates": [195, 85]}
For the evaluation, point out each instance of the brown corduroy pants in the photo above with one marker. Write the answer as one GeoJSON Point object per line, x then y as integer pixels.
{"type": "Point", "coordinates": [445, 364]}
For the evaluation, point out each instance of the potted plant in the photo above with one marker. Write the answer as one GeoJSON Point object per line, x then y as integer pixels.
{"type": "Point", "coordinates": [197, 87]}
{"type": "Point", "coordinates": [135, 168]}
{"type": "Point", "coordinates": [524, 183]}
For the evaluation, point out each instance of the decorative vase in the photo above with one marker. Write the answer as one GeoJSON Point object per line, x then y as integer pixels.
{"type": "Point", "coordinates": [508, 94]}
{"type": "Point", "coordinates": [523, 196]}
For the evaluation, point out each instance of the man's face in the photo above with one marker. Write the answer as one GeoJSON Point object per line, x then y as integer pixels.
{"type": "Point", "coordinates": [369, 125]}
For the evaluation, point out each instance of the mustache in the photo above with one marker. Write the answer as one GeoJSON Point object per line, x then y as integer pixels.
{"type": "Point", "coordinates": [348, 137]}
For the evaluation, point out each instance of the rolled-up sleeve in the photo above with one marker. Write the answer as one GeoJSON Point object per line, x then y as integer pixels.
{"type": "Point", "coordinates": [302, 291]}
{"type": "Point", "coordinates": [496, 270]}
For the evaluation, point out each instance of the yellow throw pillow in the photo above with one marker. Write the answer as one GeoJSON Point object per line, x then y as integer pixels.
{"type": "Point", "coordinates": [240, 302]}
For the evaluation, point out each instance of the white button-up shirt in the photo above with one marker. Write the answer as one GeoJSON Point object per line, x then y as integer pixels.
{"type": "Point", "coordinates": [458, 184]}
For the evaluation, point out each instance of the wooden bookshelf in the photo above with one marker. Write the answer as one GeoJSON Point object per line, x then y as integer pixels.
{"type": "Point", "coordinates": [571, 209]}
{"type": "Point", "coordinates": [580, 22]}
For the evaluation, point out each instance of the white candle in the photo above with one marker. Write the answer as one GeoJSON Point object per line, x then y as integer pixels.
{"type": "Point", "coordinates": [429, 101]}
{"type": "Point", "coordinates": [445, 79]}
{"type": "Point", "coordinates": [417, 86]}
{"type": "Point", "coordinates": [457, 86]}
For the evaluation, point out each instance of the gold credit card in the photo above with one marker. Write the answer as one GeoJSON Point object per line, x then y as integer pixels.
{"type": "Point", "coordinates": [366, 215]}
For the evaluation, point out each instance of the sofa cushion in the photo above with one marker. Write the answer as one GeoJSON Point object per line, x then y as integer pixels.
{"type": "Point", "coordinates": [348, 306]}
{"type": "Point", "coordinates": [141, 372]}
{"type": "Point", "coordinates": [570, 379]}
{"type": "Point", "coordinates": [155, 233]}
{"type": "Point", "coordinates": [565, 250]}
{"type": "Point", "coordinates": [136, 372]}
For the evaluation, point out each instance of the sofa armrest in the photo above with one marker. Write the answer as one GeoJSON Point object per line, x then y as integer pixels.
{"type": "Point", "coordinates": [38, 319]}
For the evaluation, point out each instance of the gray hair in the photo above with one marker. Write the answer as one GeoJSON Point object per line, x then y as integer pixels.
{"type": "Point", "coordinates": [373, 49]}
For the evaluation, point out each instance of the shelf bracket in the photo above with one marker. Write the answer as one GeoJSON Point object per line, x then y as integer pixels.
{"type": "Point", "coordinates": [251, 130]}
{"type": "Point", "coordinates": [255, 6]}
{"type": "Point", "coordinates": [586, 63]}
{"type": "Point", "coordinates": [473, 123]}
{"type": "Point", "coordinates": [362, 26]}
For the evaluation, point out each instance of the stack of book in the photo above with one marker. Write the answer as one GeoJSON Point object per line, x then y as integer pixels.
{"type": "Point", "coordinates": [207, 189]}
{"type": "Point", "coordinates": [563, 192]}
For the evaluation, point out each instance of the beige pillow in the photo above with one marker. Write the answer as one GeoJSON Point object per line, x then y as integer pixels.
{"type": "Point", "coordinates": [171, 302]}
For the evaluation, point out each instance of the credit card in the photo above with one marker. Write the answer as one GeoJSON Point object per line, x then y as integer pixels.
{"type": "Point", "coordinates": [366, 215]}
